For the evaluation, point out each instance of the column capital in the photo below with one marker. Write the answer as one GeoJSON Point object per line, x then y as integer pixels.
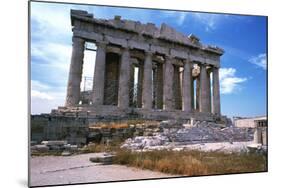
{"type": "Point", "coordinates": [168, 57]}
{"type": "Point", "coordinates": [215, 68]}
{"type": "Point", "coordinates": [78, 42]}
{"type": "Point", "coordinates": [148, 53]}
{"type": "Point", "coordinates": [101, 44]}
{"type": "Point", "coordinates": [77, 39]}
{"type": "Point", "coordinates": [124, 49]}
{"type": "Point", "coordinates": [185, 61]}
{"type": "Point", "coordinates": [203, 66]}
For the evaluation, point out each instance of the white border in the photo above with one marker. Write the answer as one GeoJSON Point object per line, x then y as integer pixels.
{"type": "Point", "coordinates": [13, 76]}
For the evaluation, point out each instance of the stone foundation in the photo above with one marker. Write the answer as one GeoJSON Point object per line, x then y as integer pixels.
{"type": "Point", "coordinates": [109, 111]}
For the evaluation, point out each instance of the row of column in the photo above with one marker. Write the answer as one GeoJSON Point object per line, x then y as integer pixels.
{"type": "Point", "coordinates": [75, 73]}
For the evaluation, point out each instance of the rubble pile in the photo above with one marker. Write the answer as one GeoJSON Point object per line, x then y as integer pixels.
{"type": "Point", "coordinates": [54, 145]}
{"type": "Point", "coordinates": [174, 134]}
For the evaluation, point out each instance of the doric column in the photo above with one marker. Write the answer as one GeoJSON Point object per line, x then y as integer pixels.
{"type": "Point", "coordinates": [168, 84]}
{"type": "Point", "coordinates": [208, 90]}
{"type": "Point", "coordinates": [192, 93]}
{"type": "Point", "coordinates": [154, 85]}
{"type": "Point", "coordinates": [132, 85]}
{"type": "Point", "coordinates": [187, 87]}
{"type": "Point", "coordinates": [203, 101]}
{"type": "Point", "coordinates": [177, 88]}
{"type": "Point", "coordinates": [140, 81]}
{"type": "Point", "coordinates": [99, 74]}
{"type": "Point", "coordinates": [123, 91]}
{"type": "Point", "coordinates": [197, 101]}
{"type": "Point", "coordinates": [216, 91]}
{"type": "Point", "coordinates": [75, 72]}
{"type": "Point", "coordinates": [159, 86]}
{"type": "Point", "coordinates": [147, 82]}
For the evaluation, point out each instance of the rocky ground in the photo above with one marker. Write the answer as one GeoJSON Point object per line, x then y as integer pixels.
{"type": "Point", "coordinates": [201, 136]}
{"type": "Point", "coordinates": [57, 170]}
{"type": "Point", "coordinates": [171, 134]}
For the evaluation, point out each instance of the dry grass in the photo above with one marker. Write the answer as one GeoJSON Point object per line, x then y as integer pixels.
{"type": "Point", "coordinates": [96, 148]}
{"type": "Point", "coordinates": [46, 153]}
{"type": "Point", "coordinates": [192, 163]}
{"type": "Point", "coordinates": [121, 124]}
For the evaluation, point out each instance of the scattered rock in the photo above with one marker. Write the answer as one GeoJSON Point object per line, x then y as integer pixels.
{"type": "Point", "coordinates": [106, 159]}
{"type": "Point", "coordinates": [172, 132]}
{"type": "Point", "coordinates": [41, 148]}
{"type": "Point", "coordinates": [65, 153]}
{"type": "Point", "coordinates": [73, 148]}
{"type": "Point", "coordinates": [54, 142]}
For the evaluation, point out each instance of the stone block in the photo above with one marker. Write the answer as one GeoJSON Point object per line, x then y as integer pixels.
{"type": "Point", "coordinates": [55, 147]}
{"type": "Point", "coordinates": [73, 148]}
{"type": "Point", "coordinates": [130, 25]}
{"type": "Point", "coordinates": [121, 42]}
{"type": "Point", "coordinates": [106, 159]}
{"type": "Point", "coordinates": [65, 153]}
{"type": "Point", "coordinates": [41, 148]}
{"type": "Point", "coordinates": [54, 142]}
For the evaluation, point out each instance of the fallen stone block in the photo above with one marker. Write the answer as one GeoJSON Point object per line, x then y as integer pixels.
{"type": "Point", "coordinates": [105, 159]}
{"type": "Point", "coordinates": [55, 147]}
{"type": "Point", "coordinates": [73, 148]}
{"type": "Point", "coordinates": [254, 147]}
{"type": "Point", "coordinates": [54, 142]}
{"type": "Point", "coordinates": [65, 153]}
{"type": "Point", "coordinates": [42, 148]}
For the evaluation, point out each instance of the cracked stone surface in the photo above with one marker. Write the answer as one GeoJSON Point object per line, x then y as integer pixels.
{"type": "Point", "coordinates": [55, 170]}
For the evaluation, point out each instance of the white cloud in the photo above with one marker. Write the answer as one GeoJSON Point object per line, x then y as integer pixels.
{"type": "Point", "coordinates": [259, 60]}
{"type": "Point", "coordinates": [40, 95]}
{"type": "Point", "coordinates": [44, 98]}
{"type": "Point", "coordinates": [50, 56]}
{"type": "Point", "coordinates": [229, 82]}
{"type": "Point", "coordinates": [181, 19]}
{"type": "Point", "coordinates": [54, 55]}
{"type": "Point", "coordinates": [178, 16]}
{"type": "Point", "coordinates": [38, 85]}
{"type": "Point", "coordinates": [52, 21]}
{"type": "Point", "coordinates": [210, 21]}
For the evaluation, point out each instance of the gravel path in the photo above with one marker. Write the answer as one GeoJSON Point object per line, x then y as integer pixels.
{"type": "Point", "coordinates": [55, 170]}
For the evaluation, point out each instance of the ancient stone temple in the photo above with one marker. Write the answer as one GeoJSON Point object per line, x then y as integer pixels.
{"type": "Point", "coordinates": [177, 76]}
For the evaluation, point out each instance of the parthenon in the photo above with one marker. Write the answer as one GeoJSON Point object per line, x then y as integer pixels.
{"type": "Point", "coordinates": [176, 73]}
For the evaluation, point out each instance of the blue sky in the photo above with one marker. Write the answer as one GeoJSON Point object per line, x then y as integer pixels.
{"type": "Point", "coordinates": [243, 66]}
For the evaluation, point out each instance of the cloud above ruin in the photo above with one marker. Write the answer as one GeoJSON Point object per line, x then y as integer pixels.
{"type": "Point", "coordinates": [259, 60]}
{"type": "Point", "coordinates": [209, 21]}
{"type": "Point", "coordinates": [229, 81]}
{"type": "Point", "coordinates": [45, 97]}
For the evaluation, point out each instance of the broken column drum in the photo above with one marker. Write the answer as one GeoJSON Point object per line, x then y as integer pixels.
{"type": "Point", "coordinates": [165, 59]}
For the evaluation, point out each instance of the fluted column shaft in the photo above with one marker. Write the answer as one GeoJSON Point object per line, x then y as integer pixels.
{"type": "Point", "coordinates": [203, 101]}
{"type": "Point", "coordinates": [147, 82]}
{"type": "Point", "coordinates": [159, 86]}
{"type": "Point", "coordinates": [187, 87]}
{"type": "Point", "coordinates": [140, 80]}
{"type": "Point", "coordinates": [197, 96]}
{"type": "Point", "coordinates": [208, 90]}
{"type": "Point", "coordinates": [132, 85]}
{"type": "Point", "coordinates": [75, 72]}
{"type": "Point", "coordinates": [124, 79]}
{"type": "Point", "coordinates": [168, 84]}
{"type": "Point", "coordinates": [216, 91]}
{"type": "Point", "coordinates": [99, 75]}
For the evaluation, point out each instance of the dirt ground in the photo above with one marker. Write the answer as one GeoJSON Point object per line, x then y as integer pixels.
{"type": "Point", "coordinates": [55, 170]}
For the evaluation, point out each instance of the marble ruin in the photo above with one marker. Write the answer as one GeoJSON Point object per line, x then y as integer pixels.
{"type": "Point", "coordinates": [174, 71]}
{"type": "Point", "coordinates": [166, 79]}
